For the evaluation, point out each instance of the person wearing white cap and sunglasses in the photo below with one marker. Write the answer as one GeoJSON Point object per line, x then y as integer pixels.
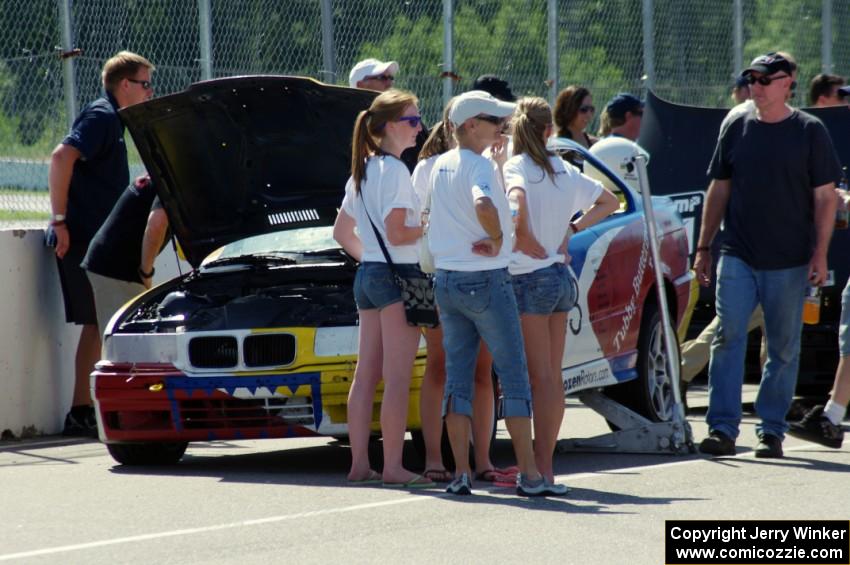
{"type": "Point", "coordinates": [469, 223]}
{"type": "Point", "coordinates": [373, 74]}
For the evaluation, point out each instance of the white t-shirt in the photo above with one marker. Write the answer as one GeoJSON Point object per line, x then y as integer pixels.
{"type": "Point", "coordinates": [387, 186]}
{"type": "Point", "coordinates": [551, 205]}
{"type": "Point", "coordinates": [458, 179]}
{"type": "Point", "coordinates": [421, 178]}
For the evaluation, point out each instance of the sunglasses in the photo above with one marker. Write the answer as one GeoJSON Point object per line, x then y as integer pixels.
{"type": "Point", "coordinates": [586, 109]}
{"type": "Point", "coordinates": [414, 121]}
{"type": "Point", "coordinates": [491, 119]}
{"type": "Point", "coordinates": [146, 84]}
{"type": "Point", "coordinates": [763, 80]}
{"type": "Point", "coordinates": [385, 78]}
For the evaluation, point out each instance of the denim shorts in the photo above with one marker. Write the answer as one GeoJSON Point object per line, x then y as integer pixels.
{"type": "Point", "coordinates": [545, 291]}
{"type": "Point", "coordinates": [844, 323]}
{"type": "Point", "coordinates": [375, 286]}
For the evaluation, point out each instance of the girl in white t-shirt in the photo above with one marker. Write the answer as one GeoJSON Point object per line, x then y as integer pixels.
{"type": "Point", "coordinates": [544, 193]}
{"type": "Point", "coordinates": [440, 140]}
{"type": "Point", "coordinates": [379, 197]}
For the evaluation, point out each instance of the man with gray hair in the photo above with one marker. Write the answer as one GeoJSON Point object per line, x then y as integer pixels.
{"type": "Point", "coordinates": [773, 177]}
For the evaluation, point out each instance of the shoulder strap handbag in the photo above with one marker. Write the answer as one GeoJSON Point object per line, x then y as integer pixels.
{"type": "Point", "coordinates": [417, 288]}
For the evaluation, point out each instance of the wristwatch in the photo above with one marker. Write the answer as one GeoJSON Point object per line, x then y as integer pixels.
{"type": "Point", "coordinates": [57, 219]}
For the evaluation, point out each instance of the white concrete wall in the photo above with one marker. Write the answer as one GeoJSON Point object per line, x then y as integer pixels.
{"type": "Point", "coordinates": [37, 347]}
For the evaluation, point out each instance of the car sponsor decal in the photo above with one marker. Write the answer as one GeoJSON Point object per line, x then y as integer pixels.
{"type": "Point", "coordinates": [590, 375]}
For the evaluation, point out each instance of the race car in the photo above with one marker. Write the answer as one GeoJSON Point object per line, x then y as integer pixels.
{"type": "Point", "coordinates": [259, 339]}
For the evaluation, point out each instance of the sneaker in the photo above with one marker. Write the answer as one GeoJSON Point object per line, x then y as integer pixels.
{"type": "Point", "coordinates": [769, 447]}
{"type": "Point", "coordinates": [817, 428]}
{"type": "Point", "coordinates": [80, 423]}
{"type": "Point", "coordinates": [717, 443]}
{"type": "Point", "coordinates": [540, 487]}
{"type": "Point", "coordinates": [461, 486]}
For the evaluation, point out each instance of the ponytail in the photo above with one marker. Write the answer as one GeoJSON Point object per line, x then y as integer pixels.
{"type": "Point", "coordinates": [531, 118]}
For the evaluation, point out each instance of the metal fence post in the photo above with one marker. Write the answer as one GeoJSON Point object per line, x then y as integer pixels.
{"type": "Point", "coordinates": [328, 53]}
{"type": "Point", "coordinates": [648, 45]}
{"type": "Point", "coordinates": [738, 55]}
{"type": "Point", "coordinates": [553, 51]}
{"type": "Point", "coordinates": [448, 50]}
{"type": "Point", "coordinates": [70, 84]}
{"type": "Point", "coordinates": [826, 37]}
{"type": "Point", "coordinates": [205, 34]}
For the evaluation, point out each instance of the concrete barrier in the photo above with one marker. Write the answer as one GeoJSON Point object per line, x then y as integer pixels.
{"type": "Point", "coordinates": [37, 347]}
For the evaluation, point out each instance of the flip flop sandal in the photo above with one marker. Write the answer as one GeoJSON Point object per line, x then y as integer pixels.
{"type": "Point", "coordinates": [438, 475]}
{"type": "Point", "coordinates": [372, 478]}
{"type": "Point", "coordinates": [415, 483]}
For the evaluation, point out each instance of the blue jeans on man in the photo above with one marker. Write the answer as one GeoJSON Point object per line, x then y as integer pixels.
{"type": "Point", "coordinates": [477, 305]}
{"type": "Point", "coordinates": [781, 293]}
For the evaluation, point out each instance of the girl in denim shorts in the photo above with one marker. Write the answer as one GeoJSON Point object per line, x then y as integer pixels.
{"type": "Point", "coordinates": [544, 193]}
{"type": "Point", "coordinates": [379, 192]}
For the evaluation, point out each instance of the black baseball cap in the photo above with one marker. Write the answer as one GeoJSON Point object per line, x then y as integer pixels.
{"type": "Point", "coordinates": [496, 86]}
{"type": "Point", "coordinates": [623, 102]}
{"type": "Point", "coordinates": [769, 64]}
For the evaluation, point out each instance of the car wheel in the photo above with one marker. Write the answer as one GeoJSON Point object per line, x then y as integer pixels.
{"type": "Point", "coordinates": [651, 393]}
{"type": "Point", "coordinates": [147, 453]}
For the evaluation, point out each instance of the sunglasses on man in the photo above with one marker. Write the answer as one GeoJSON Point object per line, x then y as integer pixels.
{"type": "Point", "coordinates": [146, 84]}
{"type": "Point", "coordinates": [763, 80]}
{"type": "Point", "coordinates": [384, 78]}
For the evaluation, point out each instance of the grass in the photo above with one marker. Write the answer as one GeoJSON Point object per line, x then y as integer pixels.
{"type": "Point", "coordinates": [22, 215]}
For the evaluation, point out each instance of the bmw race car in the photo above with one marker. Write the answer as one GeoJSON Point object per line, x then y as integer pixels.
{"type": "Point", "coordinates": [259, 339]}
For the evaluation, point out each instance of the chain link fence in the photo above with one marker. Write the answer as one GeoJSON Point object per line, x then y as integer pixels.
{"type": "Point", "coordinates": [688, 52]}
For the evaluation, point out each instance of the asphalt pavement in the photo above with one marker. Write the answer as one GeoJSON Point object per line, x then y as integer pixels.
{"type": "Point", "coordinates": [274, 501]}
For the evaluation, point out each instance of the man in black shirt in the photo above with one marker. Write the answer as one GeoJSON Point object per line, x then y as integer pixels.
{"type": "Point", "coordinates": [88, 171]}
{"type": "Point", "coordinates": [119, 261]}
{"type": "Point", "coordinates": [773, 177]}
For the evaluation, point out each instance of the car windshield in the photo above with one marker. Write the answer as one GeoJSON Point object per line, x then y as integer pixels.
{"type": "Point", "coordinates": [304, 240]}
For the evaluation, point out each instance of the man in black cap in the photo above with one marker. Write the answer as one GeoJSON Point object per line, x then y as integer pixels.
{"type": "Point", "coordinates": [773, 176]}
{"type": "Point", "coordinates": [496, 86]}
{"type": "Point", "coordinates": [741, 90]}
{"type": "Point", "coordinates": [624, 114]}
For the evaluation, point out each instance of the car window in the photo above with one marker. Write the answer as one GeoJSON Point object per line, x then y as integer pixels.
{"type": "Point", "coordinates": [298, 241]}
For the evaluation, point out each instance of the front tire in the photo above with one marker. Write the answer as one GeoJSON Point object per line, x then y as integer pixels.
{"type": "Point", "coordinates": [651, 393]}
{"type": "Point", "coordinates": [147, 454]}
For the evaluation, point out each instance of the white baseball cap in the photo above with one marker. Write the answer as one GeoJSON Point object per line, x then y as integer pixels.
{"type": "Point", "coordinates": [477, 102]}
{"type": "Point", "coordinates": [368, 68]}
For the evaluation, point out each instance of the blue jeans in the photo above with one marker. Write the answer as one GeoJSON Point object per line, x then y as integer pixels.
{"type": "Point", "coordinates": [474, 306]}
{"type": "Point", "coordinates": [739, 289]}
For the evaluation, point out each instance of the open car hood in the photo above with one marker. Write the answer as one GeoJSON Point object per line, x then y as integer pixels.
{"type": "Point", "coordinates": [242, 156]}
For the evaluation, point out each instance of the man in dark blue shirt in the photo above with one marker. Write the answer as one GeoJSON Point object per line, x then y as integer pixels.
{"type": "Point", "coordinates": [88, 172]}
{"type": "Point", "coordinates": [773, 177]}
